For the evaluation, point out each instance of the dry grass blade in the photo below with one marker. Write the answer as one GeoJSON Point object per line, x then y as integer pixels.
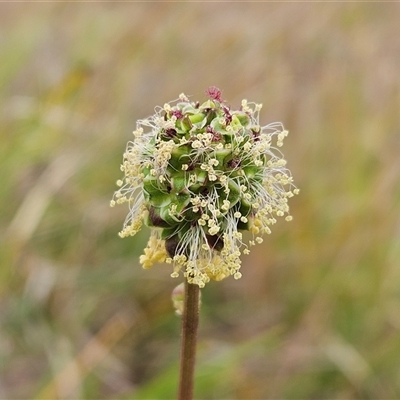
{"type": "Point", "coordinates": [97, 348]}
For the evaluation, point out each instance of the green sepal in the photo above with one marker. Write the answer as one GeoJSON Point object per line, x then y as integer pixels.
{"type": "Point", "coordinates": [211, 116]}
{"type": "Point", "coordinates": [196, 118]}
{"type": "Point", "coordinates": [221, 155]}
{"type": "Point", "coordinates": [233, 196]}
{"type": "Point", "coordinates": [185, 123]}
{"type": "Point", "coordinates": [168, 233]}
{"type": "Point", "coordinates": [196, 188]}
{"type": "Point", "coordinates": [179, 182]}
{"type": "Point", "coordinates": [217, 126]}
{"type": "Point", "coordinates": [160, 199]}
{"type": "Point", "coordinates": [190, 215]}
{"type": "Point", "coordinates": [243, 226]}
{"type": "Point", "coordinates": [243, 118]}
{"type": "Point", "coordinates": [146, 171]}
{"type": "Point", "coordinates": [201, 175]}
{"type": "Point", "coordinates": [207, 104]}
{"type": "Point", "coordinates": [245, 207]}
{"type": "Point", "coordinates": [153, 193]}
{"type": "Point", "coordinates": [234, 192]}
{"type": "Point", "coordinates": [184, 229]}
{"type": "Point", "coordinates": [181, 200]}
{"type": "Point", "coordinates": [236, 122]}
{"type": "Point", "coordinates": [172, 220]}
{"type": "Point", "coordinates": [251, 171]}
{"type": "Point", "coordinates": [189, 109]}
{"type": "Point", "coordinates": [179, 155]}
{"type": "Point", "coordinates": [228, 137]}
{"type": "Point", "coordinates": [151, 185]}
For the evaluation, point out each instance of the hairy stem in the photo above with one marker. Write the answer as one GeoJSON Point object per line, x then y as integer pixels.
{"type": "Point", "coordinates": [190, 322]}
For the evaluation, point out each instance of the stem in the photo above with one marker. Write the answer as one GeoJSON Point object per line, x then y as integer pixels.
{"type": "Point", "coordinates": [190, 323]}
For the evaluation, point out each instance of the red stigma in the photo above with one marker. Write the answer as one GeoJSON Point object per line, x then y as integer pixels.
{"type": "Point", "coordinates": [177, 113]}
{"type": "Point", "coordinates": [214, 93]}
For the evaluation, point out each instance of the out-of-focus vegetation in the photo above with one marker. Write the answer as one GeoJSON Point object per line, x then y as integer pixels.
{"type": "Point", "coordinates": [317, 312]}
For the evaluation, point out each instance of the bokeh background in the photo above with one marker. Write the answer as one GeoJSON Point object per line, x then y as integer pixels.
{"type": "Point", "coordinates": [317, 312]}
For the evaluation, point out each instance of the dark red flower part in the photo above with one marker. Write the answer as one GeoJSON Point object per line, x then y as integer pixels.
{"type": "Point", "coordinates": [214, 93]}
{"type": "Point", "coordinates": [216, 135]}
{"type": "Point", "coordinates": [177, 113]}
{"type": "Point", "coordinates": [210, 129]}
{"type": "Point", "coordinates": [228, 116]}
{"type": "Point", "coordinates": [215, 242]}
{"type": "Point", "coordinates": [256, 135]}
{"type": "Point", "coordinates": [234, 163]}
{"type": "Point", "coordinates": [170, 132]}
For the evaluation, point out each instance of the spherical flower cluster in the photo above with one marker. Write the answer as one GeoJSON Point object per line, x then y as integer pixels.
{"type": "Point", "coordinates": [199, 175]}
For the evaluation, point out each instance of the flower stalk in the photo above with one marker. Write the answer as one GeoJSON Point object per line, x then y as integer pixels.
{"type": "Point", "coordinates": [198, 175]}
{"type": "Point", "coordinates": [190, 322]}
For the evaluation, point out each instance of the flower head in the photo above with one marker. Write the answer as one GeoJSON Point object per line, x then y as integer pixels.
{"type": "Point", "coordinates": [199, 175]}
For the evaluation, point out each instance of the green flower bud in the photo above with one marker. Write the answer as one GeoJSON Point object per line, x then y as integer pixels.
{"type": "Point", "coordinates": [178, 298]}
{"type": "Point", "coordinates": [199, 177]}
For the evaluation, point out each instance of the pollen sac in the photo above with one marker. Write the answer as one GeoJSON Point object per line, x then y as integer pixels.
{"type": "Point", "coordinates": [200, 174]}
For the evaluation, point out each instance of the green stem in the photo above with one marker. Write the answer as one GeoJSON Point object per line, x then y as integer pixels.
{"type": "Point", "coordinates": [190, 323]}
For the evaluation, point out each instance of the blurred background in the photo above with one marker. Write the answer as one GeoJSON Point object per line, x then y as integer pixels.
{"type": "Point", "coordinates": [316, 314]}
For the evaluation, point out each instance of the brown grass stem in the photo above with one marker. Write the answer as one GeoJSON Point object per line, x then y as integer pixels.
{"type": "Point", "coordinates": [190, 322]}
